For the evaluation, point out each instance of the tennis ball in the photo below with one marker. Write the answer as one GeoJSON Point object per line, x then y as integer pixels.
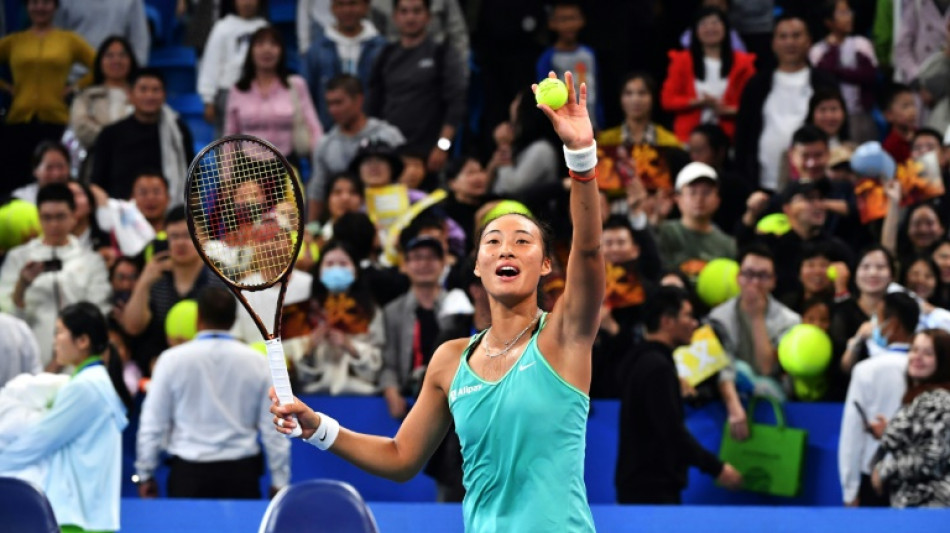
{"type": "Point", "coordinates": [775, 224]}
{"type": "Point", "coordinates": [505, 207]}
{"type": "Point", "coordinates": [19, 222]}
{"type": "Point", "coordinates": [717, 281]}
{"type": "Point", "coordinates": [805, 351]}
{"type": "Point", "coordinates": [832, 273]}
{"type": "Point", "coordinates": [259, 346]}
{"type": "Point", "coordinates": [181, 322]}
{"type": "Point", "coordinates": [552, 92]}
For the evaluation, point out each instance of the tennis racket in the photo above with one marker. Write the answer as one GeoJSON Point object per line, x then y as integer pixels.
{"type": "Point", "coordinates": [245, 216]}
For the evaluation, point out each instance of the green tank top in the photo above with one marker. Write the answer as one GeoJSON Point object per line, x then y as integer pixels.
{"type": "Point", "coordinates": [523, 441]}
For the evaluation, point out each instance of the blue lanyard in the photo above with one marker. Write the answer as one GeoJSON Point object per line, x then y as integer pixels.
{"type": "Point", "coordinates": [206, 335]}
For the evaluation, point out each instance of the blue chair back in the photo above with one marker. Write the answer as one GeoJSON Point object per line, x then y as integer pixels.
{"type": "Point", "coordinates": [24, 508]}
{"type": "Point", "coordinates": [323, 505]}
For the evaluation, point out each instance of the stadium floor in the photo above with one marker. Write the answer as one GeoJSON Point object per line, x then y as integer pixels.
{"type": "Point", "coordinates": [221, 516]}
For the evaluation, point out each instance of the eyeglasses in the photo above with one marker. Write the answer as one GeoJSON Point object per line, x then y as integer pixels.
{"type": "Point", "coordinates": [756, 275]}
{"type": "Point", "coordinates": [54, 217]}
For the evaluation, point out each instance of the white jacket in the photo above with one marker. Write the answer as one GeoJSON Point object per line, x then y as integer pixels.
{"type": "Point", "coordinates": [84, 277]}
{"type": "Point", "coordinates": [82, 438]}
{"type": "Point", "coordinates": [224, 54]}
{"type": "Point", "coordinates": [877, 385]}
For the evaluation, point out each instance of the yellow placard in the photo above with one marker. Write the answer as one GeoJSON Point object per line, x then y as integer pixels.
{"type": "Point", "coordinates": [386, 204]}
{"type": "Point", "coordinates": [702, 358]}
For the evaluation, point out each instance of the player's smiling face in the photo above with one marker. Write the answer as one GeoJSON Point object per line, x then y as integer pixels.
{"type": "Point", "coordinates": [511, 256]}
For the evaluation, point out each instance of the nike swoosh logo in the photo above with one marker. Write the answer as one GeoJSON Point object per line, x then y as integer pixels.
{"type": "Point", "coordinates": [324, 437]}
{"type": "Point", "coordinates": [527, 366]}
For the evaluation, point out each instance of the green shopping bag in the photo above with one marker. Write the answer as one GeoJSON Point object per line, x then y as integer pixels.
{"type": "Point", "coordinates": [771, 459]}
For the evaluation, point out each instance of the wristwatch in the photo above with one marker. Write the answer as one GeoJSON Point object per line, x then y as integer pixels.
{"type": "Point", "coordinates": [444, 144]}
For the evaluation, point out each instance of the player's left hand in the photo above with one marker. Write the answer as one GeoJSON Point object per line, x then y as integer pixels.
{"type": "Point", "coordinates": [571, 121]}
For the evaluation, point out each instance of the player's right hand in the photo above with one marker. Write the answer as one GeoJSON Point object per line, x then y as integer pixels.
{"type": "Point", "coordinates": [284, 421]}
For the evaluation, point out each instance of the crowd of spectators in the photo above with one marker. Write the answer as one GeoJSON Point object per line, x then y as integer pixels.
{"type": "Point", "coordinates": [714, 120]}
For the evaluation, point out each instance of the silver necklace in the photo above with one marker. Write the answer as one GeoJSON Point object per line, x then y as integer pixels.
{"type": "Point", "coordinates": [511, 343]}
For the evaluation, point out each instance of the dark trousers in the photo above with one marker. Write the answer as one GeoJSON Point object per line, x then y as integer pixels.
{"type": "Point", "coordinates": [868, 497]}
{"type": "Point", "coordinates": [659, 496]}
{"type": "Point", "coordinates": [230, 480]}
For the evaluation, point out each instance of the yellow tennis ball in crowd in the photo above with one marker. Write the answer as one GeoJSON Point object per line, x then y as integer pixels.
{"type": "Point", "coordinates": [551, 92]}
{"type": "Point", "coordinates": [19, 222]}
{"type": "Point", "coordinates": [832, 273]}
{"type": "Point", "coordinates": [259, 346]}
{"type": "Point", "coordinates": [505, 207]}
{"type": "Point", "coordinates": [775, 224]}
{"type": "Point", "coordinates": [805, 351]}
{"type": "Point", "coordinates": [718, 281]}
{"type": "Point", "coordinates": [181, 322]}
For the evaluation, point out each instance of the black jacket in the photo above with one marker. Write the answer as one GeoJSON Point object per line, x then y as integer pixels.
{"type": "Point", "coordinates": [787, 253]}
{"type": "Point", "coordinates": [749, 121]}
{"type": "Point", "coordinates": [655, 449]}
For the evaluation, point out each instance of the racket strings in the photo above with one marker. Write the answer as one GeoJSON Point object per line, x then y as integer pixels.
{"type": "Point", "coordinates": [245, 212]}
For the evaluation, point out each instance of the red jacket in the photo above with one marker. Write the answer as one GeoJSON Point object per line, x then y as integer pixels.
{"type": "Point", "coordinates": [679, 90]}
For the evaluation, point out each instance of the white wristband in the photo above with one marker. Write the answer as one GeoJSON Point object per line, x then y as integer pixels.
{"type": "Point", "coordinates": [326, 433]}
{"type": "Point", "coordinates": [581, 160]}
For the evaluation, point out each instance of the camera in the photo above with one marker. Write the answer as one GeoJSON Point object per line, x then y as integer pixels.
{"type": "Point", "coordinates": [52, 265]}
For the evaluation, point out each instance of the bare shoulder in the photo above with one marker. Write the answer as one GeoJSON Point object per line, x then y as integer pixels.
{"type": "Point", "coordinates": [445, 362]}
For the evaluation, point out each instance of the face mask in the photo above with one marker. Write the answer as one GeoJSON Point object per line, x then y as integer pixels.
{"type": "Point", "coordinates": [876, 336]}
{"type": "Point", "coordinates": [337, 278]}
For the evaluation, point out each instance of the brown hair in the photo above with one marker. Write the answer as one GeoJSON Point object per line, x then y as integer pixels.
{"type": "Point", "coordinates": [940, 379]}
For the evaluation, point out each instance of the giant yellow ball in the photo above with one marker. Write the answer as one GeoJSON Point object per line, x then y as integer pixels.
{"type": "Point", "coordinates": [717, 282]}
{"type": "Point", "coordinates": [805, 351]}
{"type": "Point", "coordinates": [181, 322]}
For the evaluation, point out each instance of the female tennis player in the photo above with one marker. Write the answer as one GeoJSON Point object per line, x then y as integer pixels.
{"type": "Point", "coordinates": [516, 391]}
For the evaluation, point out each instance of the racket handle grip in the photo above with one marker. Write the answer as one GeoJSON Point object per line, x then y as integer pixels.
{"type": "Point", "coordinates": [279, 376]}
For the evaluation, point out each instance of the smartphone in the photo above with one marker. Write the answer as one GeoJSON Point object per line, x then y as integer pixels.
{"type": "Point", "coordinates": [864, 416]}
{"type": "Point", "coordinates": [159, 246]}
{"type": "Point", "coordinates": [52, 265]}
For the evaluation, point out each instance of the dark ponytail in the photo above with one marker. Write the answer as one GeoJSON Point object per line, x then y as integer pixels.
{"type": "Point", "coordinates": [84, 318]}
{"type": "Point", "coordinates": [115, 369]}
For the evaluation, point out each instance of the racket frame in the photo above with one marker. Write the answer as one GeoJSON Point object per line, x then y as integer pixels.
{"type": "Point", "coordinates": [272, 337]}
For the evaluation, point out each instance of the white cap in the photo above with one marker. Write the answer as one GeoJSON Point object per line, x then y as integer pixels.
{"type": "Point", "coordinates": [693, 172]}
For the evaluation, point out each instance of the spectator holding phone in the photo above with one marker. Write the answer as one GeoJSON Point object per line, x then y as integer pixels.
{"type": "Point", "coordinates": [169, 277]}
{"type": "Point", "coordinates": [52, 271]}
{"type": "Point", "coordinates": [876, 388]}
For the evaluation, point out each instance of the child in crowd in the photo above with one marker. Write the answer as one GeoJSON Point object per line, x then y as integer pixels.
{"type": "Point", "coordinates": [567, 21]}
{"type": "Point", "coordinates": [900, 110]}
{"type": "Point", "coordinates": [852, 60]}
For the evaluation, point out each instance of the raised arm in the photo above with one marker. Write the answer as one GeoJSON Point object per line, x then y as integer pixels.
{"type": "Point", "coordinates": [576, 317]}
{"type": "Point", "coordinates": [397, 458]}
